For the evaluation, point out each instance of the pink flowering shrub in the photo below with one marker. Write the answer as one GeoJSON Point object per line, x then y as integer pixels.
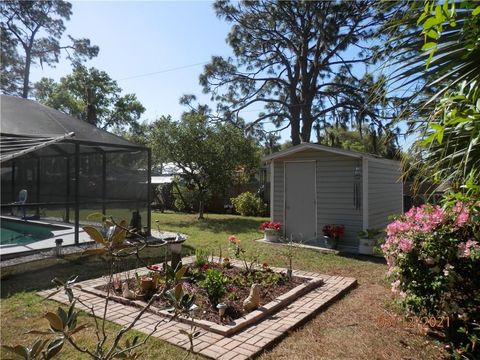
{"type": "Point", "coordinates": [433, 258]}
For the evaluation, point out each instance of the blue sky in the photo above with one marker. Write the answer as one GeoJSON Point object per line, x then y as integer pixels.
{"type": "Point", "coordinates": [154, 49]}
{"type": "Point", "coordinates": [173, 38]}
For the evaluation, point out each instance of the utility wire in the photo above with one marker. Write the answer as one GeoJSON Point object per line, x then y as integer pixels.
{"type": "Point", "coordinates": [163, 71]}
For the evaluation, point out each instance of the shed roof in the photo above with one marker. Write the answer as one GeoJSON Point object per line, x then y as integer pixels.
{"type": "Point", "coordinates": [317, 147]}
{"type": "Point", "coordinates": [23, 117]}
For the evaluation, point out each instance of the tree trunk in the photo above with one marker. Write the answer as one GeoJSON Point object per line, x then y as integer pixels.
{"type": "Point", "coordinates": [295, 124]}
{"type": "Point", "coordinates": [91, 110]}
{"type": "Point", "coordinates": [295, 133]}
{"type": "Point", "coordinates": [317, 130]}
{"type": "Point", "coordinates": [307, 119]}
{"type": "Point", "coordinates": [181, 196]}
{"type": "Point", "coordinates": [201, 205]}
{"type": "Point", "coordinates": [306, 128]}
{"type": "Point", "coordinates": [26, 75]}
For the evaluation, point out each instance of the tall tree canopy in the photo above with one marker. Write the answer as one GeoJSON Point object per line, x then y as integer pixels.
{"type": "Point", "coordinates": [211, 156]}
{"type": "Point", "coordinates": [11, 64]}
{"type": "Point", "coordinates": [364, 141]}
{"type": "Point", "coordinates": [91, 95]}
{"type": "Point", "coordinates": [294, 59]}
{"type": "Point", "coordinates": [35, 28]}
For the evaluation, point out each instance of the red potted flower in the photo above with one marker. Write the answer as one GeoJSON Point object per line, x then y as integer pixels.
{"type": "Point", "coordinates": [271, 230]}
{"type": "Point", "coordinates": [332, 233]}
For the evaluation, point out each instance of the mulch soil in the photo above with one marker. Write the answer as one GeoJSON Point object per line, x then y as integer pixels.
{"type": "Point", "coordinates": [272, 285]}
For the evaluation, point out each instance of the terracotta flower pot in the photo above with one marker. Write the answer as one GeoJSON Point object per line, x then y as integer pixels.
{"type": "Point", "coordinates": [146, 284]}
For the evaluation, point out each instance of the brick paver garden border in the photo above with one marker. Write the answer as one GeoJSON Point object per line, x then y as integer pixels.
{"type": "Point", "coordinates": [247, 342]}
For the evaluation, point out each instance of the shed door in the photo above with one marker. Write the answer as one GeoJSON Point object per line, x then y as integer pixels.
{"type": "Point", "coordinates": [300, 203]}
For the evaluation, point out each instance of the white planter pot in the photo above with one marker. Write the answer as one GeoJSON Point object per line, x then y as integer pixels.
{"type": "Point", "coordinates": [272, 235]}
{"type": "Point", "coordinates": [365, 246]}
{"type": "Point", "coordinates": [330, 243]}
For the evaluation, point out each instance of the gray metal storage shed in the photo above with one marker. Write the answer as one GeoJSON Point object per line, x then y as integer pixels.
{"type": "Point", "coordinates": [313, 185]}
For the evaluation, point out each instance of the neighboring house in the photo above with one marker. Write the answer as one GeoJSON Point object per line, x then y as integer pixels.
{"type": "Point", "coordinates": [165, 173]}
{"type": "Point", "coordinates": [313, 185]}
{"type": "Point", "coordinates": [163, 176]}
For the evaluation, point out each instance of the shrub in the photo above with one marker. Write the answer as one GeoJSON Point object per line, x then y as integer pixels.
{"type": "Point", "coordinates": [433, 257]}
{"type": "Point", "coordinates": [201, 257]}
{"type": "Point", "coordinates": [240, 253]}
{"type": "Point", "coordinates": [247, 204]}
{"type": "Point", "coordinates": [185, 199]}
{"type": "Point", "coordinates": [214, 285]}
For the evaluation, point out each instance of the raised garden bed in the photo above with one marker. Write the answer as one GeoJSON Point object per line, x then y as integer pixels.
{"type": "Point", "coordinates": [277, 291]}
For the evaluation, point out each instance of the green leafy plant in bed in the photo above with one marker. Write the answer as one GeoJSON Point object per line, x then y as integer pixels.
{"type": "Point", "coordinates": [201, 257]}
{"type": "Point", "coordinates": [214, 285]}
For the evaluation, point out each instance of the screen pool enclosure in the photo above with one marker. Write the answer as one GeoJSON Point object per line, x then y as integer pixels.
{"type": "Point", "coordinates": [69, 168]}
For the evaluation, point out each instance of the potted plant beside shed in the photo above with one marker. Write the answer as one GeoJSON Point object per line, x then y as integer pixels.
{"type": "Point", "coordinates": [271, 230]}
{"type": "Point", "coordinates": [331, 234]}
{"type": "Point", "coordinates": [367, 240]}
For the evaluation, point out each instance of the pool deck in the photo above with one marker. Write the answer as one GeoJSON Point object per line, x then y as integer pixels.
{"type": "Point", "coordinates": [68, 236]}
{"type": "Point", "coordinates": [34, 255]}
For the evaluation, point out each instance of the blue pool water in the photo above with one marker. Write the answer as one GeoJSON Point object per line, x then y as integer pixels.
{"type": "Point", "coordinates": [23, 232]}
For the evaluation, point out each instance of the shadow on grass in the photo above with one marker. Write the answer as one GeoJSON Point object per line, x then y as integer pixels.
{"type": "Point", "coordinates": [233, 226]}
{"type": "Point", "coordinates": [308, 319]}
{"type": "Point", "coordinates": [38, 275]}
{"type": "Point", "coordinates": [366, 258]}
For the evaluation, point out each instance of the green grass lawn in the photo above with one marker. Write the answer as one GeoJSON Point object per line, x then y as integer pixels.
{"type": "Point", "coordinates": [352, 328]}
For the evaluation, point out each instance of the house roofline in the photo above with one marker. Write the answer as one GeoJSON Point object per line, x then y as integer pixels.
{"type": "Point", "coordinates": [318, 147]}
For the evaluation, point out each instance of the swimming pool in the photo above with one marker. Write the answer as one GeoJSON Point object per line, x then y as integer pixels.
{"type": "Point", "coordinates": [17, 232]}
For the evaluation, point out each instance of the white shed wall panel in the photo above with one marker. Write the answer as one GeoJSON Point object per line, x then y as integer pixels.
{"type": "Point", "coordinates": [385, 192]}
{"type": "Point", "coordinates": [335, 195]}
{"type": "Point", "coordinates": [278, 199]}
{"type": "Point", "coordinates": [335, 203]}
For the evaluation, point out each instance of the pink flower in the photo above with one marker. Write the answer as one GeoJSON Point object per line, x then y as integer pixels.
{"type": "Point", "coordinates": [395, 286]}
{"type": "Point", "coordinates": [153, 267]}
{"type": "Point", "coordinates": [391, 268]}
{"type": "Point", "coordinates": [233, 239]}
{"type": "Point", "coordinates": [405, 244]}
{"type": "Point", "coordinates": [462, 214]}
{"type": "Point", "coordinates": [429, 261]}
{"type": "Point", "coordinates": [465, 248]}
{"type": "Point", "coordinates": [397, 226]}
